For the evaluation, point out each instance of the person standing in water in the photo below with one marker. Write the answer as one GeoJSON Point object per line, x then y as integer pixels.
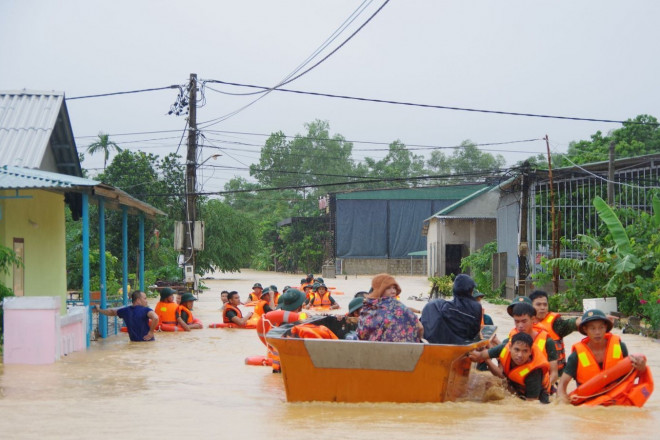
{"type": "Point", "coordinates": [140, 320]}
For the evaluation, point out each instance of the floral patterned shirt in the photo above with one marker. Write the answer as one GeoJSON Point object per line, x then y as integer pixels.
{"type": "Point", "coordinates": [387, 320]}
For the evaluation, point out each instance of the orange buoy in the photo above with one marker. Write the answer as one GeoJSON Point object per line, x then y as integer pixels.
{"type": "Point", "coordinates": [260, 361]}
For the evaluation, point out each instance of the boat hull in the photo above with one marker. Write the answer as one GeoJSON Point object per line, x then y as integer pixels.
{"type": "Point", "coordinates": [361, 371]}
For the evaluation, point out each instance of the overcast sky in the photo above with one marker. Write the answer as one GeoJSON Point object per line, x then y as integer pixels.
{"type": "Point", "coordinates": [590, 59]}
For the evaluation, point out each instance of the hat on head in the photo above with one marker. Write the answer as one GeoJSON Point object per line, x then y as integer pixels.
{"type": "Point", "coordinates": [355, 304]}
{"type": "Point", "coordinates": [594, 315]}
{"type": "Point", "coordinates": [477, 294]}
{"type": "Point", "coordinates": [257, 285]}
{"type": "Point", "coordinates": [291, 300]}
{"type": "Point", "coordinates": [463, 284]}
{"type": "Point", "coordinates": [320, 280]}
{"type": "Point", "coordinates": [266, 291]}
{"type": "Point", "coordinates": [188, 297]}
{"type": "Point", "coordinates": [319, 285]}
{"type": "Point", "coordinates": [315, 287]}
{"type": "Point", "coordinates": [381, 282]}
{"type": "Point", "coordinates": [307, 286]}
{"type": "Point", "coordinates": [516, 300]}
{"type": "Point", "coordinates": [166, 293]}
{"type": "Point", "coordinates": [273, 288]}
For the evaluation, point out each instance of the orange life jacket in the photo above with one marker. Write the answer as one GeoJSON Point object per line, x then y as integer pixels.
{"type": "Point", "coordinates": [322, 300]}
{"type": "Point", "coordinates": [587, 366]}
{"type": "Point", "coordinates": [312, 331]}
{"type": "Point", "coordinates": [546, 324]}
{"type": "Point", "coordinates": [539, 341]}
{"type": "Point", "coordinates": [259, 308]}
{"type": "Point", "coordinates": [166, 312]}
{"type": "Point", "coordinates": [254, 296]}
{"type": "Point", "coordinates": [619, 385]}
{"type": "Point", "coordinates": [229, 307]}
{"type": "Point", "coordinates": [185, 309]}
{"type": "Point", "coordinates": [520, 372]}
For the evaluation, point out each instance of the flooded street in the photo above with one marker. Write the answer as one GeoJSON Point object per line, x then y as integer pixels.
{"type": "Point", "coordinates": [196, 385]}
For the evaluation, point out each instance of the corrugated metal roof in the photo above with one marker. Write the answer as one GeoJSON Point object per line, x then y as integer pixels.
{"type": "Point", "coordinates": [26, 178]}
{"type": "Point", "coordinates": [23, 178]}
{"type": "Point", "coordinates": [463, 201]}
{"type": "Point", "coordinates": [27, 120]}
{"type": "Point", "coordinates": [448, 192]}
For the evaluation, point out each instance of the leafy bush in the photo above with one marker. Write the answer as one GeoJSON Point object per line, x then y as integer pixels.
{"type": "Point", "coordinates": [442, 285]}
{"type": "Point", "coordinates": [479, 265]}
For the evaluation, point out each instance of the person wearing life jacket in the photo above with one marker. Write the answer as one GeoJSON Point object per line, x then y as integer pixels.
{"type": "Point", "coordinates": [264, 305]}
{"type": "Point", "coordinates": [309, 293]}
{"type": "Point", "coordinates": [599, 351]}
{"type": "Point", "coordinates": [288, 311]}
{"type": "Point", "coordinates": [184, 316]}
{"type": "Point", "coordinates": [523, 313]}
{"type": "Point", "coordinates": [556, 326]}
{"type": "Point", "coordinates": [255, 295]}
{"type": "Point", "coordinates": [322, 297]}
{"type": "Point", "coordinates": [166, 308]}
{"type": "Point", "coordinates": [231, 313]}
{"type": "Point", "coordinates": [525, 368]}
{"type": "Point", "coordinates": [275, 295]}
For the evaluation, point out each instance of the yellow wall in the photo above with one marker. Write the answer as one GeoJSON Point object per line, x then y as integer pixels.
{"type": "Point", "coordinates": [40, 222]}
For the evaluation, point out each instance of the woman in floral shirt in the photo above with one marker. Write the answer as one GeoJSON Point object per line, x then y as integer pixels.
{"type": "Point", "coordinates": [384, 318]}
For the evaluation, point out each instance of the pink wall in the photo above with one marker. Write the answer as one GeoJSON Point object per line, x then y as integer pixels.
{"type": "Point", "coordinates": [35, 333]}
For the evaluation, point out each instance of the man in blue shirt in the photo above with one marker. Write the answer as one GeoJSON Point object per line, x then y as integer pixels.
{"type": "Point", "coordinates": [136, 317]}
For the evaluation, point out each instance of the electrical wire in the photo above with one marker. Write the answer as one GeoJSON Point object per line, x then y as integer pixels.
{"type": "Point", "coordinates": [267, 91]}
{"type": "Point", "coordinates": [123, 93]}
{"type": "Point", "coordinates": [434, 106]}
{"type": "Point", "coordinates": [349, 183]}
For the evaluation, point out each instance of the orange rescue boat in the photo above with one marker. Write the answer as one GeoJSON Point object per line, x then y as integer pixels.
{"type": "Point", "coordinates": [362, 371]}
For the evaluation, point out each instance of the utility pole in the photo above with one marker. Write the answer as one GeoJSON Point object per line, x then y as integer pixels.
{"type": "Point", "coordinates": [610, 177]}
{"type": "Point", "coordinates": [191, 179]}
{"type": "Point", "coordinates": [523, 247]}
{"type": "Point", "coordinates": [553, 217]}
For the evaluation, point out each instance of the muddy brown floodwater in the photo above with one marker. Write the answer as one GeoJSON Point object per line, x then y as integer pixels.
{"type": "Point", "coordinates": [196, 386]}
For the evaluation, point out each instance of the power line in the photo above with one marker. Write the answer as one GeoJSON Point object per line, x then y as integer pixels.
{"type": "Point", "coordinates": [267, 90]}
{"type": "Point", "coordinates": [349, 183]}
{"type": "Point", "coordinates": [123, 93]}
{"type": "Point", "coordinates": [434, 106]}
{"type": "Point", "coordinates": [131, 133]}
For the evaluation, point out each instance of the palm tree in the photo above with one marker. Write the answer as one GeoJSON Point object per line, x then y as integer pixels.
{"type": "Point", "coordinates": [103, 144]}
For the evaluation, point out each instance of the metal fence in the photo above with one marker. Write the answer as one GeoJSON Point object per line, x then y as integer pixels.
{"type": "Point", "coordinates": [634, 188]}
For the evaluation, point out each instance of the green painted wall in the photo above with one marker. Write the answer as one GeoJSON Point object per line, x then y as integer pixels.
{"type": "Point", "coordinates": [40, 222]}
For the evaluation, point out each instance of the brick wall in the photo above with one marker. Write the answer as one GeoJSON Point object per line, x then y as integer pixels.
{"type": "Point", "coordinates": [371, 266]}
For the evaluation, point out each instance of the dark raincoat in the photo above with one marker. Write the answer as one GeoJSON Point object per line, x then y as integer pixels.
{"type": "Point", "coordinates": [452, 322]}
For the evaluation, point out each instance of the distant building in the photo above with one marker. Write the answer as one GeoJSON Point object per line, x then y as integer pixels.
{"type": "Point", "coordinates": [377, 230]}
{"type": "Point", "coordinates": [460, 229]}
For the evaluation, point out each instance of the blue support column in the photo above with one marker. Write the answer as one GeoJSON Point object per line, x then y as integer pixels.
{"type": "Point", "coordinates": [124, 250]}
{"type": "Point", "coordinates": [85, 262]}
{"type": "Point", "coordinates": [142, 252]}
{"type": "Point", "coordinates": [103, 320]}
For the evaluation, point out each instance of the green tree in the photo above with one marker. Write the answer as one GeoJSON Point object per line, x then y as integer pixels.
{"type": "Point", "coordinates": [103, 144]}
{"type": "Point", "coordinates": [399, 163]}
{"type": "Point", "coordinates": [467, 162]}
{"type": "Point", "coordinates": [637, 137]}
{"type": "Point", "coordinates": [229, 238]}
